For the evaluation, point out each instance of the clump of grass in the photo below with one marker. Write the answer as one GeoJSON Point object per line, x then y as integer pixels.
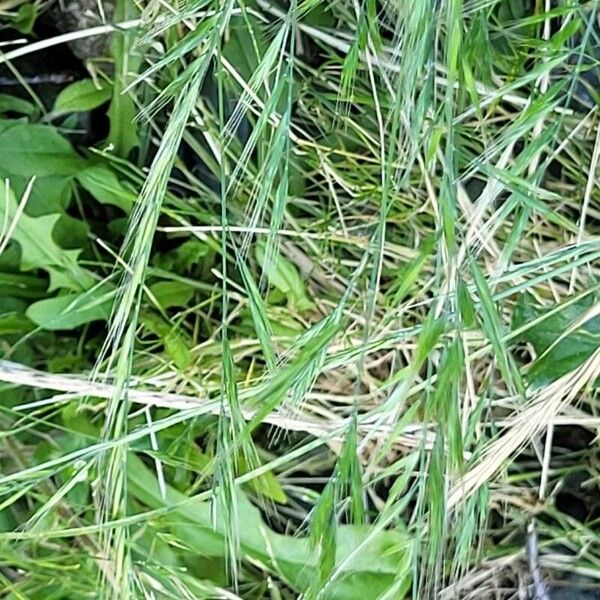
{"type": "Point", "coordinates": [331, 329]}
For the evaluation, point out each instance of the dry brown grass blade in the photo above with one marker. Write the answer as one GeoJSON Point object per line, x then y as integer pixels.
{"type": "Point", "coordinates": [545, 404]}
{"type": "Point", "coordinates": [15, 373]}
{"type": "Point", "coordinates": [79, 386]}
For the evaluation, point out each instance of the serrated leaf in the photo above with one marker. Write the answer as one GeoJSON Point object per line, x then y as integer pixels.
{"type": "Point", "coordinates": [48, 195]}
{"type": "Point", "coordinates": [104, 186]}
{"type": "Point", "coordinates": [71, 233]}
{"type": "Point", "coordinates": [29, 150]}
{"type": "Point", "coordinates": [40, 251]}
{"type": "Point", "coordinates": [82, 96]}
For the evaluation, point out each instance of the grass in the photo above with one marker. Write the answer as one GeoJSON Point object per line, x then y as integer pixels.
{"type": "Point", "coordinates": [321, 322]}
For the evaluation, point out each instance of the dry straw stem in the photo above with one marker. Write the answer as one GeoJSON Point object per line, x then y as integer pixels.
{"type": "Point", "coordinates": [65, 38]}
{"type": "Point", "coordinates": [15, 373]}
{"type": "Point", "coordinates": [79, 386]}
{"type": "Point", "coordinates": [543, 407]}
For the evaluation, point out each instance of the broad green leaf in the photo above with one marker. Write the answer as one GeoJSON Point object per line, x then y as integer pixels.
{"type": "Point", "coordinates": [245, 45]}
{"type": "Point", "coordinates": [317, 14]}
{"type": "Point", "coordinates": [556, 359]}
{"type": "Point", "coordinates": [175, 345]}
{"type": "Point", "coordinates": [266, 484]}
{"type": "Point", "coordinates": [285, 277]}
{"type": "Point", "coordinates": [77, 420]}
{"type": "Point", "coordinates": [40, 150]}
{"type": "Point", "coordinates": [25, 18]}
{"type": "Point", "coordinates": [368, 563]}
{"type": "Point", "coordinates": [48, 195]}
{"type": "Point", "coordinates": [12, 104]}
{"type": "Point", "coordinates": [282, 323]}
{"type": "Point", "coordinates": [72, 310]}
{"type": "Point", "coordinates": [177, 350]}
{"type": "Point", "coordinates": [6, 124]}
{"type": "Point", "coordinates": [40, 251]}
{"type": "Point", "coordinates": [82, 96]}
{"type": "Point", "coordinates": [10, 304]}
{"type": "Point", "coordinates": [159, 551]}
{"type": "Point", "coordinates": [14, 324]}
{"type": "Point", "coordinates": [19, 285]}
{"type": "Point", "coordinates": [122, 111]}
{"type": "Point", "coordinates": [104, 186]}
{"type": "Point", "coordinates": [171, 293]}
{"type": "Point", "coordinates": [71, 233]}
{"type": "Point", "coordinates": [184, 258]}
{"type": "Point", "coordinates": [195, 460]}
